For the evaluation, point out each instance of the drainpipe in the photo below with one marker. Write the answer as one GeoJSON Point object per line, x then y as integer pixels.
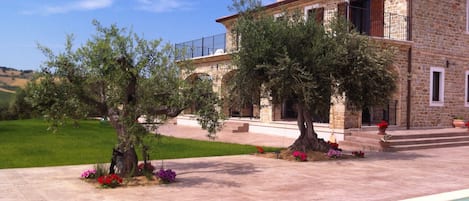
{"type": "Point", "coordinates": [409, 65]}
{"type": "Point", "coordinates": [409, 84]}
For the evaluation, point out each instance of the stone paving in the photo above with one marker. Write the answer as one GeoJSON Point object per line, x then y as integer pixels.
{"type": "Point", "coordinates": [379, 176]}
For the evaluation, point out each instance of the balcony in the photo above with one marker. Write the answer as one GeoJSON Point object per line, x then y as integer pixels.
{"type": "Point", "coordinates": [377, 23]}
{"type": "Point", "coordinates": [206, 46]}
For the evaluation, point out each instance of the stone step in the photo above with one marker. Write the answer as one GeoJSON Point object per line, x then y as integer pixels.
{"type": "Point", "coordinates": [236, 127]}
{"type": "Point", "coordinates": [400, 141]}
{"type": "Point", "coordinates": [428, 135]}
{"type": "Point", "coordinates": [415, 141]}
{"type": "Point", "coordinates": [365, 135]}
{"type": "Point", "coordinates": [366, 140]}
{"type": "Point", "coordinates": [360, 146]}
{"type": "Point", "coordinates": [426, 146]}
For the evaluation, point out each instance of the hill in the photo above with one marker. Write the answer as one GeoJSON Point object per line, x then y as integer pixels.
{"type": "Point", "coordinates": [12, 79]}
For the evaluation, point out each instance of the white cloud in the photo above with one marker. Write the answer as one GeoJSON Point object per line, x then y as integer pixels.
{"type": "Point", "coordinates": [80, 5]}
{"type": "Point", "coordinates": [159, 6]}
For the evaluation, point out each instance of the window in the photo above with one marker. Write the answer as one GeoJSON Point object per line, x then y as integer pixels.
{"type": "Point", "coordinates": [367, 16]}
{"type": "Point", "coordinates": [279, 16]}
{"type": "Point", "coordinates": [466, 97]}
{"type": "Point", "coordinates": [437, 87]}
{"type": "Point", "coordinates": [316, 11]}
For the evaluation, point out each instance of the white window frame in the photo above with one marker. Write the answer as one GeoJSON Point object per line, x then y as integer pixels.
{"type": "Point", "coordinates": [311, 7]}
{"type": "Point", "coordinates": [441, 101]}
{"type": "Point", "coordinates": [279, 15]}
{"type": "Point", "coordinates": [466, 95]}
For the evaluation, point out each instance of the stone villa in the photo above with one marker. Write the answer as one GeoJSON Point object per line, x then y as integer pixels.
{"type": "Point", "coordinates": [432, 38]}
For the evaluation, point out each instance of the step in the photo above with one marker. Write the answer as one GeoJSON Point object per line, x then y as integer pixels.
{"type": "Point", "coordinates": [428, 135]}
{"type": "Point", "coordinates": [398, 142]}
{"type": "Point", "coordinates": [358, 146]}
{"type": "Point", "coordinates": [363, 140]}
{"type": "Point", "coordinates": [427, 146]}
{"type": "Point", "coordinates": [236, 127]}
{"type": "Point", "coordinates": [364, 135]}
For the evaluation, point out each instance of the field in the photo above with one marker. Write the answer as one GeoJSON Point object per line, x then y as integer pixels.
{"type": "Point", "coordinates": [12, 79]}
{"type": "Point", "coordinates": [27, 143]}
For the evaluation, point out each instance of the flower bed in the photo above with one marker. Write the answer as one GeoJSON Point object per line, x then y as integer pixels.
{"type": "Point", "coordinates": [113, 180]}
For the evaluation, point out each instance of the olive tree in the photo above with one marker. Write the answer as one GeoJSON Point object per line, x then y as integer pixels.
{"type": "Point", "coordinates": [123, 77]}
{"type": "Point", "coordinates": [305, 61]}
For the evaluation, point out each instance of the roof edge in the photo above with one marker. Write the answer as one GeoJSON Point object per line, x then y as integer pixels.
{"type": "Point", "coordinates": [269, 6]}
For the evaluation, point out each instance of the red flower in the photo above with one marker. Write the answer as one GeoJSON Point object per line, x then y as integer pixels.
{"type": "Point", "coordinates": [334, 145]}
{"type": "Point", "coordinates": [467, 124]}
{"type": "Point", "coordinates": [300, 156]}
{"type": "Point", "coordinates": [383, 124]}
{"type": "Point", "coordinates": [359, 154]}
{"type": "Point", "coordinates": [111, 180]}
{"type": "Point", "coordinates": [260, 149]}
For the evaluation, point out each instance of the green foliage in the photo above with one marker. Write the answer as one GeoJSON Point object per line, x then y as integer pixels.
{"type": "Point", "coordinates": [302, 60]}
{"type": "Point", "coordinates": [20, 107]}
{"type": "Point", "coordinates": [101, 169]}
{"type": "Point", "coordinates": [120, 75]}
{"type": "Point", "coordinates": [27, 143]}
{"type": "Point", "coordinates": [5, 97]}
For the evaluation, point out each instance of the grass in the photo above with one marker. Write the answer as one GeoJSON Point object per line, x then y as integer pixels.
{"type": "Point", "coordinates": [27, 143]}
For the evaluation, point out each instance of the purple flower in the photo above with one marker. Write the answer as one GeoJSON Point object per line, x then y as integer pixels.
{"type": "Point", "coordinates": [332, 153]}
{"type": "Point", "coordinates": [166, 176]}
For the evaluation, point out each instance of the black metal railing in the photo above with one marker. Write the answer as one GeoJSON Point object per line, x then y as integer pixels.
{"type": "Point", "coordinates": [206, 46]}
{"type": "Point", "coordinates": [375, 114]}
{"type": "Point", "coordinates": [385, 24]}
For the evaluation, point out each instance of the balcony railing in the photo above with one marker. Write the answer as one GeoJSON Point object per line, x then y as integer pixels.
{"type": "Point", "coordinates": [385, 24]}
{"type": "Point", "coordinates": [206, 46]}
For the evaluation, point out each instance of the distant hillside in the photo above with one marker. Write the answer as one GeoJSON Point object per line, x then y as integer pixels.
{"type": "Point", "coordinates": [12, 79]}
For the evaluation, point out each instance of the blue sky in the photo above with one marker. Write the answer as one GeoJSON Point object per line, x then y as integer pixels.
{"type": "Point", "coordinates": [25, 23]}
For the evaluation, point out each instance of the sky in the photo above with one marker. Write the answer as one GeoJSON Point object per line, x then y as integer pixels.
{"type": "Point", "coordinates": [26, 23]}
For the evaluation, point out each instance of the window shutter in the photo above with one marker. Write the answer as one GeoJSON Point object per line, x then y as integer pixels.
{"type": "Point", "coordinates": [342, 9]}
{"type": "Point", "coordinates": [377, 18]}
{"type": "Point", "coordinates": [319, 12]}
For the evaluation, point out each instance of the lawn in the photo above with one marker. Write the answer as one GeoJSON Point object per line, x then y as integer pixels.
{"type": "Point", "coordinates": [27, 143]}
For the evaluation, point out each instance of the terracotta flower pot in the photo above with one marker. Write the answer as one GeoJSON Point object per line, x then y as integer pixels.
{"type": "Point", "coordinates": [382, 131]}
{"type": "Point", "coordinates": [458, 123]}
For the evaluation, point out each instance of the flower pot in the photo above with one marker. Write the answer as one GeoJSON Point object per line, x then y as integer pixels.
{"type": "Point", "coordinates": [381, 131]}
{"type": "Point", "coordinates": [458, 123]}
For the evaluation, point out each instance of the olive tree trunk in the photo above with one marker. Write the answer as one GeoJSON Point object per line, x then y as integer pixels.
{"type": "Point", "coordinates": [308, 139]}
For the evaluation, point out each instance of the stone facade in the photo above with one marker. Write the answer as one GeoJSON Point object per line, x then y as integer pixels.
{"type": "Point", "coordinates": [439, 40]}
{"type": "Point", "coordinates": [433, 35]}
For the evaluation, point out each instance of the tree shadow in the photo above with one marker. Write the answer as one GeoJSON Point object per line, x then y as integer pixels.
{"type": "Point", "coordinates": [198, 173]}
{"type": "Point", "coordinates": [408, 155]}
{"type": "Point", "coordinates": [215, 167]}
{"type": "Point", "coordinates": [192, 181]}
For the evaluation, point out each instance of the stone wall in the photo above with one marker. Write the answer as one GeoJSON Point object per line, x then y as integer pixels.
{"type": "Point", "coordinates": [440, 40]}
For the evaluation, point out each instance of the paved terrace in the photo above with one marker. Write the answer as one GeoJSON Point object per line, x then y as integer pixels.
{"type": "Point", "coordinates": [379, 176]}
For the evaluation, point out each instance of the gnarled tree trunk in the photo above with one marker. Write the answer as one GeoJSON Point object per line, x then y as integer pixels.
{"type": "Point", "coordinates": [308, 139]}
{"type": "Point", "coordinates": [124, 157]}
